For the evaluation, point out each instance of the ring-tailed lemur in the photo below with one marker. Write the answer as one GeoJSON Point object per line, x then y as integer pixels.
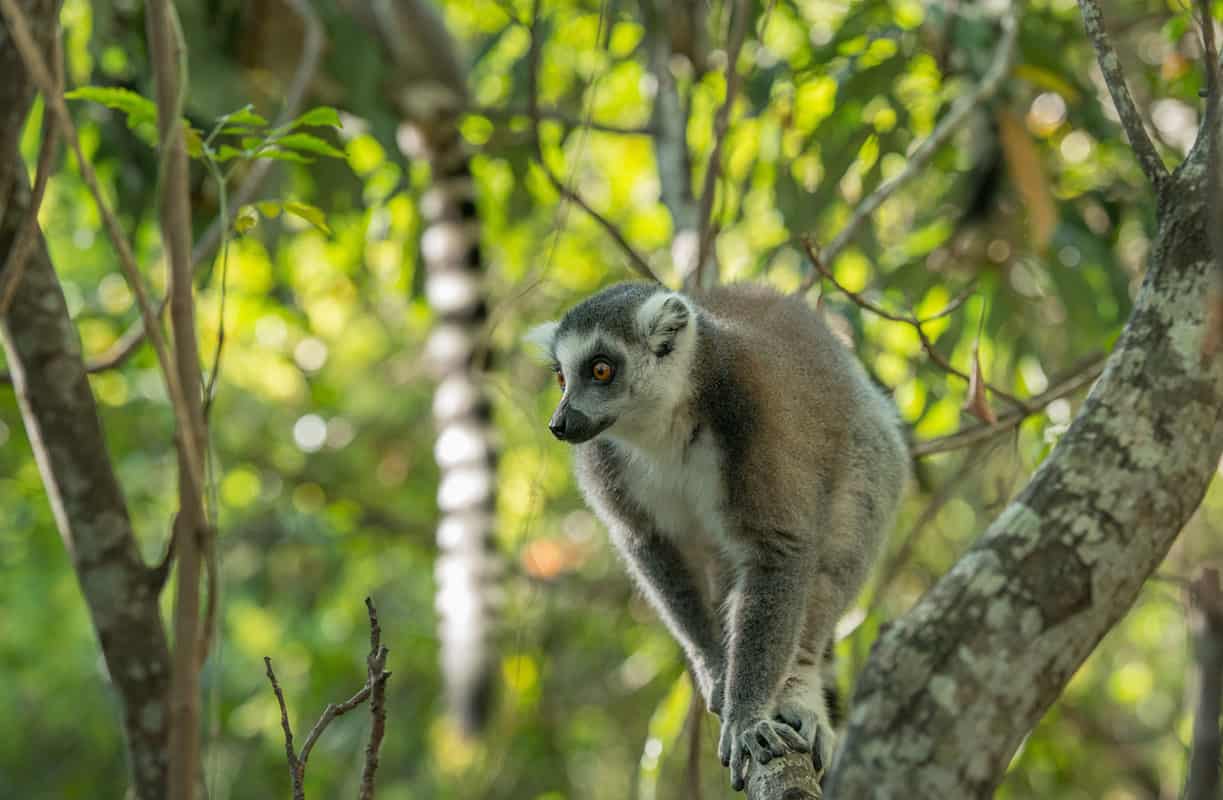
{"type": "Point", "coordinates": [747, 469]}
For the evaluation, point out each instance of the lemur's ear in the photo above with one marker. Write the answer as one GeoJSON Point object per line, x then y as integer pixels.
{"type": "Point", "coordinates": [542, 340]}
{"type": "Point", "coordinates": [661, 319]}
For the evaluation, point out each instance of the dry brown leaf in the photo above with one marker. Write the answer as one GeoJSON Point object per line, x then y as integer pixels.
{"type": "Point", "coordinates": [977, 402]}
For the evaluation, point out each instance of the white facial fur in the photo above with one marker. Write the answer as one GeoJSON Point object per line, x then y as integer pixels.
{"type": "Point", "coordinates": [648, 389]}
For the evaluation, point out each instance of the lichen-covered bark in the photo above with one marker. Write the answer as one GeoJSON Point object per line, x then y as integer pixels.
{"type": "Point", "coordinates": [61, 420]}
{"type": "Point", "coordinates": [952, 687]}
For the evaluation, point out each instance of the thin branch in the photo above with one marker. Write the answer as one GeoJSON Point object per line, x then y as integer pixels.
{"type": "Point", "coordinates": [1212, 342]}
{"type": "Point", "coordinates": [374, 690]}
{"type": "Point", "coordinates": [1202, 782]}
{"type": "Point", "coordinates": [42, 77]}
{"type": "Point", "coordinates": [636, 261]}
{"type": "Point", "coordinates": [376, 680]}
{"type": "Point", "coordinates": [1078, 379]}
{"type": "Point", "coordinates": [312, 49]}
{"type": "Point", "coordinates": [295, 766]}
{"type": "Point", "coordinates": [669, 119]}
{"type": "Point", "coordinates": [14, 266]}
{"type": "Point", "coordinates": [1114, 77]}
{"type": "Point", "coordinates": [822, 270]}
{"type": "Point", "coordinates": [739, 12]}
{"type": "Point", "coordinates": [956, 117]}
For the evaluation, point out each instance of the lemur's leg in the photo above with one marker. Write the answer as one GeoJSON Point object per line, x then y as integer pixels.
{"type": "Point", "coordinates": [809, 702]}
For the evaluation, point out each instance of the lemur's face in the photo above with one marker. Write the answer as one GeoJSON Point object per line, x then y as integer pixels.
{"type": "Point", "coordinates": [613, 358]}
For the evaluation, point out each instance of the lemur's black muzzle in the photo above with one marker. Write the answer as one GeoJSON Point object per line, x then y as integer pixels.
{"type": "Point", "coordinates": [570, 425]}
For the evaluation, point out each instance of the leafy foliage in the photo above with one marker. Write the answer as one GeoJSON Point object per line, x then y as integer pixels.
{"type": "Point", "coordinates": [323, 470]}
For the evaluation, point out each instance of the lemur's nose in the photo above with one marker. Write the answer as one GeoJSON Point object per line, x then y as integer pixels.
{"type": "Point", "coordinates": [557, 426]}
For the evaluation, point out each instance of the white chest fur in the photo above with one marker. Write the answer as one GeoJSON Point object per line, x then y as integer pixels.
{"type": "Point", "coordinates": [682, 489]}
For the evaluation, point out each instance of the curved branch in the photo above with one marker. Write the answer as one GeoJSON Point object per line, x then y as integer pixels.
{"type": "Point", "coordinates": [1131, 119]}
{"type": "Point", "coordinates": [987, 650]}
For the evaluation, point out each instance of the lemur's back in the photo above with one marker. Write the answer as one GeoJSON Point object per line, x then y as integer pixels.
{"type": "Point", "coordinates": [819, 419]}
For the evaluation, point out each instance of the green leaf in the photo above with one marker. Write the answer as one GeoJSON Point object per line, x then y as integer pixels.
{"type": "Point", "coordinates": [193, 140]}
{"type": "Point", "coordinates": [309, 213]}
{"type": "Point", "coordinates": [309, 143]}
{"type": "Point", "coordinates": [247, 218]}
{"type": "Point", "coordinates": [244, 116]}
{"type": "Point", "coordinates": [225, 153]}
{"type": "Point", "coordinates": [282, 155]}
{"type": "Point", "coordinates": [323, 116]}
{"type": "Point", "coordinates": [269, 209]}
{"type": "Point", "coordinates": [134, 105]}
{"type": "Point", "coordinates": [251, 142]}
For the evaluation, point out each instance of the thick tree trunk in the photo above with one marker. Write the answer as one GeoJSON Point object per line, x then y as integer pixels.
{"type": "Point", "coordinates": [952, 687]}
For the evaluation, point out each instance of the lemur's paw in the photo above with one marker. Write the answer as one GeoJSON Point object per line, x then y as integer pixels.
{"type": "Point", "coordinates": [820, 739]}
{"type": "Point", "coordinates": [754, 738]}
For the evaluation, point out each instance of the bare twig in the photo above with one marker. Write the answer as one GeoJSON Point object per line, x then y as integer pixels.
{"type": "Point", "coordinates": [956, 117]}
{"type": "Point", "coordinates": [374, 690]}
{"type": "Point", "coordinates": [822, 270]}
{"type": "Point", "coordinates": [14, 267]}
{"type": "Point", "coordinates": [696, 712]}
{"type": "Point", "coordinates": [1078, 378]}
{"type": "Point", "coordinates": [295, 766]}
{"type": "Point", "coordinates": [1131, 119]}
{"type": "Point", "coordinates": [1202, 782]}
{"type": "Point", "coordinates": [42, 77]}
{"type": "Point", "coordinates": [636, 261]}
{"type": "Point", "coordinates": [739, 12]}
{"type": "Point", "coordinates": [376, 680]}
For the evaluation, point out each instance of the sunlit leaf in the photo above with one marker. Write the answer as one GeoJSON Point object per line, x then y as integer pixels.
{"type": "Point", "coordinates": [309, 143]}
{"type": "Point", "coordinates": [269, 209]}
{"type": "Point", "coordinates": [245, 116]}
{"type": "Point", "coordinates": [125, 100]}
{"type": "Point", "coordinates": [309, 213]}
{"type": "Point", "coordinates": [323, 116]}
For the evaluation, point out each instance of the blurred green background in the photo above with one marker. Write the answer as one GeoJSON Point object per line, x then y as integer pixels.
{"type": "Point", "coordinates": [321, 429]}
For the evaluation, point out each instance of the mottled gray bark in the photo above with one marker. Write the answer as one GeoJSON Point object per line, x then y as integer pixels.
{"type": "Point", "coordinates": [952, 687]}
{"type": "Point", "coordinates": [61, 421]}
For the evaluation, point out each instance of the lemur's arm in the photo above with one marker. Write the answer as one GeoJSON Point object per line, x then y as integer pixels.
{"type": "Point", "coordinates": [767, 607]}
{"type": "Point", "coordinates": [659, 569]}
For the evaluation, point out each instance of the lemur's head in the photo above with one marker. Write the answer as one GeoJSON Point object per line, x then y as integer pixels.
{"type": "Point", "coordinates": [622, 359]}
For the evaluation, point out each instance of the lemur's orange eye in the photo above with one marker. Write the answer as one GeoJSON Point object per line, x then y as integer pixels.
{"type": "Point", "coordinates": [601, 371]}
{"type": "Point", "coordinates": [560, 378]}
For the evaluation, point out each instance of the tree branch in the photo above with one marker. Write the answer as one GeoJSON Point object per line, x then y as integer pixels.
{"type": "Point", "coordinates": [14, 264]}
{"type": "Point", "coordinates": [1076, 380]}
{"type": "Point", "coordinates": [986, 651]}
{"type": "Point", "coordinates": [1202, 782]}
{"type": "Point", "coordinates": [1114, 77]}
{"type": "Point", "coordinates": [941, 134]}
{"type": "Point", "coordinates": [374, 690]}
{"type": "Point", "coordinates": [821, 269]}
{"type": "Point", "coordinates": [312, 47]}
{"type": "Point", "coordinates": [37, 69]}
{"type": "Point", "coordinates": [670, 124]}
{"type": "Point", "coordinates": [69, 447]}
{"type": "Point", "coordinates": [721, 125]}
